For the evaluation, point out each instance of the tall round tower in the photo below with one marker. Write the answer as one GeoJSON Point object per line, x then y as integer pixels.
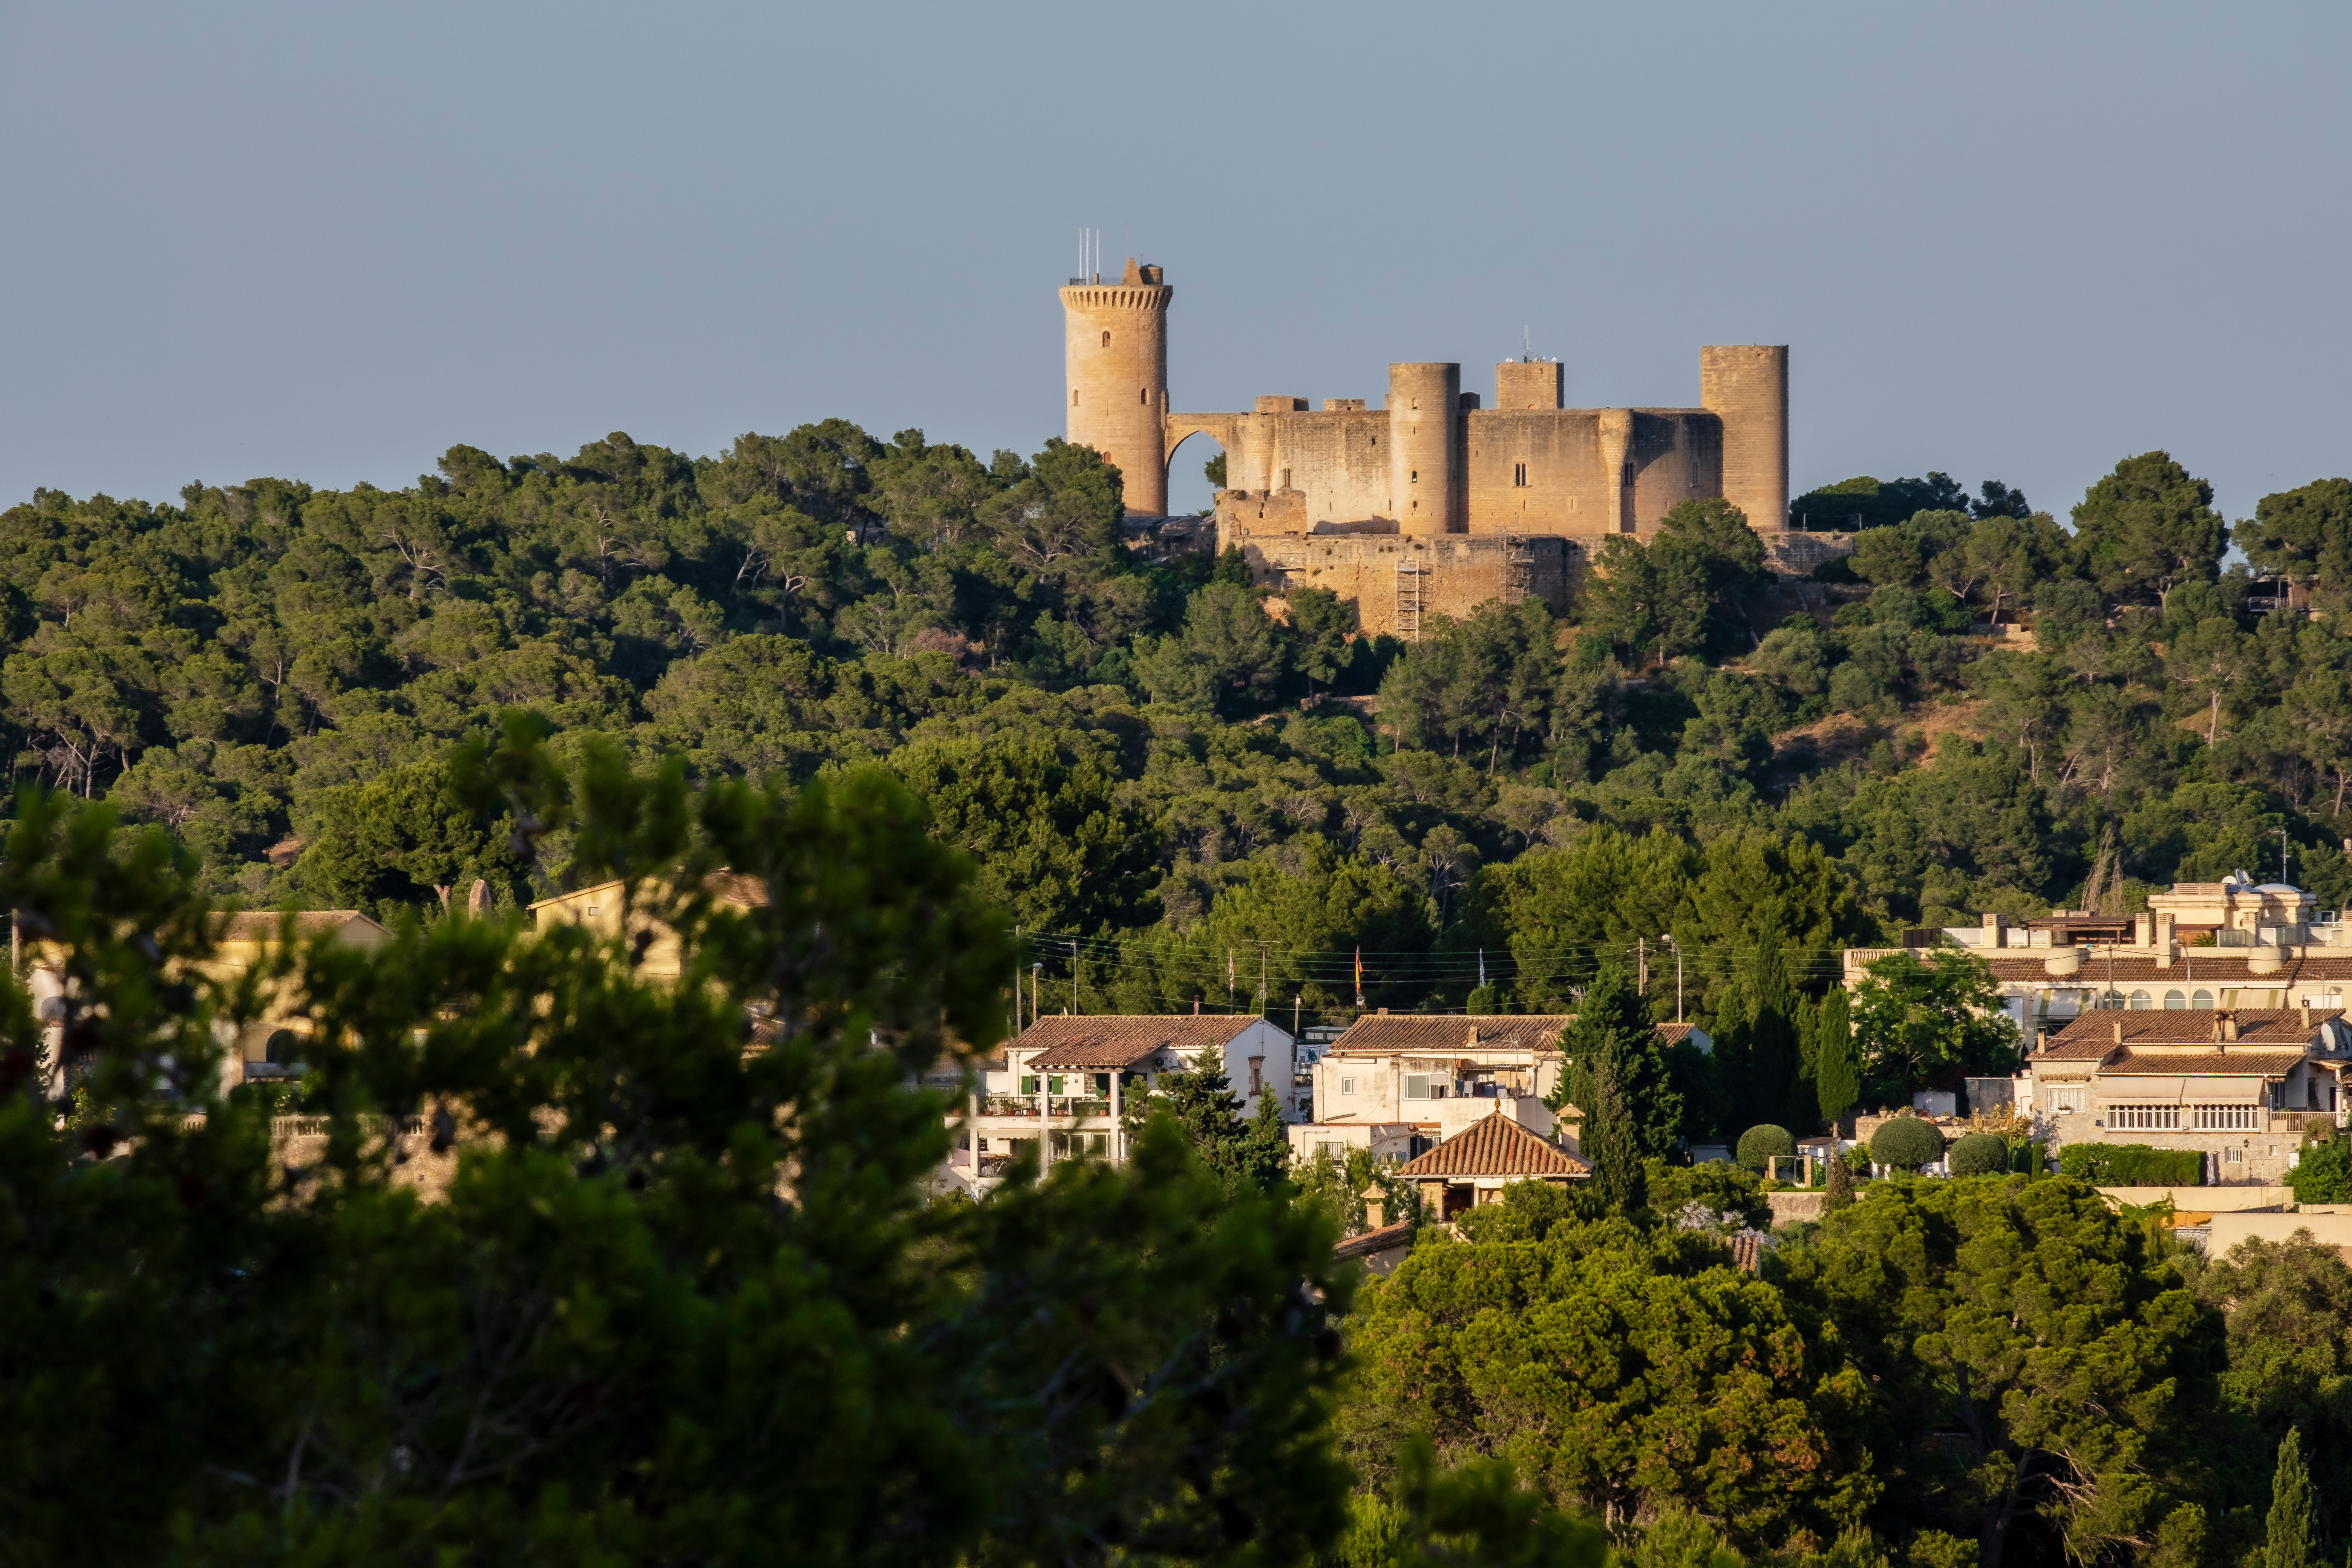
{"type": "Point", "coordinates": [1425, 474]}
{"type": "Point", "coordinates": [1114, 341]}
{"type": "Point", "coordinates": [1747, 386]}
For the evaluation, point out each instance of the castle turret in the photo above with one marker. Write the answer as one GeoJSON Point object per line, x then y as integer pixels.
{"type": "Point", "coordinates": [1115, 337]}
{"type": "Point", "coordinates": [1747, 387]}
{"type": "Point", "coordinates": [1425, 471]}
{"type": "Point", "coordinates": [1527, 383]}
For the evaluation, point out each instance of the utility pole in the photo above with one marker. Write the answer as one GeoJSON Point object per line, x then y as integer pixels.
{"type": "Point", "coordinates": [1076, 1005]}
{"type": "Point", "coordinates": [1295, 1001]}
{"type": "Point", "coordinates": [1261, 980]}
{"type": "Point", "coordinates": [1670, 941]}
{"type": "Point", "coordinates": [2281, 856]}
{"type": "Point", "coordinates": [1036, 980]}
{"type": "Point", "coordinates": [1642, 965]}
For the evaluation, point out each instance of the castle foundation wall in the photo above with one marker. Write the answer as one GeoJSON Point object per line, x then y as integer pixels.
{"type": "Point", "coordinates": [1399, 583]}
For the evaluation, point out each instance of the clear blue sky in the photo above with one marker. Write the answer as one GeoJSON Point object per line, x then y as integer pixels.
{"type": "Point", "coordinates": [2012, 241]}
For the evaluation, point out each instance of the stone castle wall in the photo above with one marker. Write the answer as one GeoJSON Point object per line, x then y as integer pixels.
{"type": "Point", "coordinates": [1397, 582]}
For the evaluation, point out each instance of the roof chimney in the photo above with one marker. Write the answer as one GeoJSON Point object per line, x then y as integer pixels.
{"type": "Point", "coordinates": [2118, 1026]}
{"type": "Point", "coordinates": [2230, 1026]}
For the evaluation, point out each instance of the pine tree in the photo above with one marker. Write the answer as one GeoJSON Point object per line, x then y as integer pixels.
{"type": "Point", "coordinates": [1247, 1156]}
{"type": "Point", "coordinates": [1609, 1142]}
{"type": "Point", "coordinates": [1613, 1022]}
{"type": "Point", "coordinates": [2293, 1540]}
{"type": "Point", "coordinates": [1837, 1074]}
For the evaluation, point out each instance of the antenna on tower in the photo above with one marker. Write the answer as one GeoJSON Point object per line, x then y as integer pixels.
{"type": "Point", "coordinates": [1527, 347]}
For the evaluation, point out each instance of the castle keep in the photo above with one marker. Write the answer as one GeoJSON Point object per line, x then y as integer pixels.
{"type": "Point", "coordinates": [1432, 503]}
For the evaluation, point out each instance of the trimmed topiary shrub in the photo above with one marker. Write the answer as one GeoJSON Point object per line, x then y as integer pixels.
{"type": "Point", "coordinates": [2132, 1166]}
{"type": "Point", "coordinates": [1980, 1154]}
{"type": "Point", "coordinates": [1906, 1143]}
{"type": "Point", "coordinates": [1760, 1143]}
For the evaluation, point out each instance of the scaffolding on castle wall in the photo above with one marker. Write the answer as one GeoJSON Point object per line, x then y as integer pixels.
{"type": "Point", "coordinates": [1518, 569]}
{"type": "Point", "coordinates": [1407, 603]}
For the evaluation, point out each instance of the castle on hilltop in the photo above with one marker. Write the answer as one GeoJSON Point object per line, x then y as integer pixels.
{"type": "Point", "coordinates": [1432, 503]}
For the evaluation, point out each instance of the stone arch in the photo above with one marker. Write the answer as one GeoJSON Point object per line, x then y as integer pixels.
{"type": "Point", "coordinates": [1184, 458]}
{"type": "Point", "coordinates": [1218, 428]}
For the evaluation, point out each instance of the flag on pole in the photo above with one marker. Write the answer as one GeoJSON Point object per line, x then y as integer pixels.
{"type": "Point", "coordinates": [1228, 974]}
{"type": "Point", "coordinates": [1360, 977]}
{"type": "Point", "coordinates": [1482, 969]}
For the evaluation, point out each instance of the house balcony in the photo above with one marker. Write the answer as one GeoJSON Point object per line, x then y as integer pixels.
{"type": "Point", "coordinates": [1047, 1107]}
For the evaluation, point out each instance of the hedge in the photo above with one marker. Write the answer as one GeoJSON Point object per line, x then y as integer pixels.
{"type": "Point", "coordinates": [2132, 1166]}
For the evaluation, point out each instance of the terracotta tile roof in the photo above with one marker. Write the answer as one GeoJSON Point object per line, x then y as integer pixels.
{"type": "Point", "coordinates": [1495, 1146]}
{"type": "Point", "coordinates": [740, 889]}
{"type": "Point", "coordinates": [2207, 967]}
{"type": "Point", "coordinates": [263, 925]}
{"type": "Point", "coordinates": [1450, 1035]}
{"type": "Point", "coordinates": [2093, 1035]}
{"type": "Point", "coordinates": [1115, 1040]}
{"type": "Point", "coordinates": [1747, 1252]}
{"type": "Point", "coordinates": [2232, 1063]}
{"type": "Point", "coordinates": [1373, 1241]}
{"type": "Point", "coordinates": [1676, 1034]}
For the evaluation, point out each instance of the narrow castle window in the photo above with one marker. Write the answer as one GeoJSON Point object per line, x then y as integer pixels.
{"type": "Point", "coordinates": [1105, 339]}
{"type": "Point", "coordinates": [1074, 397]}
{"type": "Point", "coordinates": [1519, 475]}
{"type": "Point", "coordinates": [1416, 476]}
{"type": "Point", "coordinates": [1285, 479]}
{"type": "Point", "coordinates": [1143, 394]}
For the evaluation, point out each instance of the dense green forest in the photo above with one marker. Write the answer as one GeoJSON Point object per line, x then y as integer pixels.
{"type": "Point", "coordinates": [1171, 782]}
{"type": "Point", "coordinates": [682, 1301]}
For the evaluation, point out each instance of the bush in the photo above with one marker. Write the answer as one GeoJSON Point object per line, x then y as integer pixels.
{"type": "Point", "coordinates": [2132, 1166]}
{"type": "Point", "coordinates": [1680, 1539]}
{"type": "Point", "coordinates": [1760, 1143]}
{"type": "Point", "coordinates": [1718, 1185]}
{"type": "Point", "coordinates": [1980, 1154]}
{"type": "Point", "coordinates": [2324, 1174]}
{"type": "Point", "coordinates": [1934, 1549]}
{"type": "Point", "coordinates": [1906, 1143]}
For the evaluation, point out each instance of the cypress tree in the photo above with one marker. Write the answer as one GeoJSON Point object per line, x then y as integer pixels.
{"type": "Point", "coordinates": [1609, 1142]}
{"type": "Point", "coordinates": [1771, 1027]}
{"type": "Point", "coordinates": [1841, 1185]}
{"type": "Point", "coordinates": [1837, 1074]}
{"type": "Point", "coordinates": [2293, 1541]}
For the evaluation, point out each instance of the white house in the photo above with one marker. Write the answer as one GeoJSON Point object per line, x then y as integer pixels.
{"type": "Point", "coordinates": [1062, 1086]}
{"type": "Point", "coordinates": [1400, 1085]}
